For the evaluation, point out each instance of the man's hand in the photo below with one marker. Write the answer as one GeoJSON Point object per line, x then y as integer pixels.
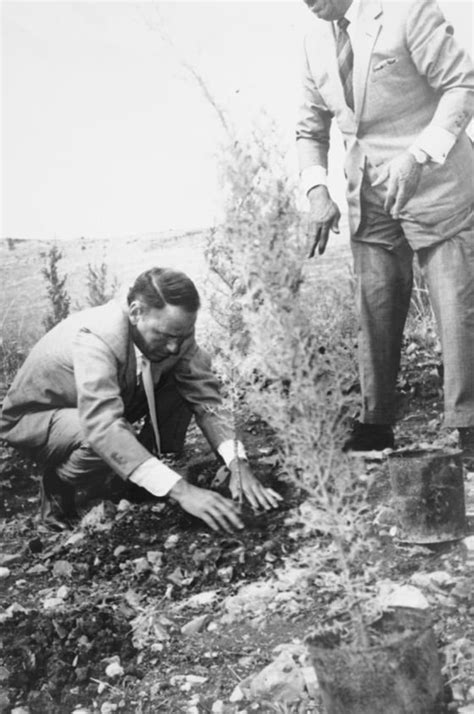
{"type": "Point", "coordinates": [403, 174]}
{"type": "Point", "coordinates": [324, 216]}
{"type": "Point", "coordinates": [244, 484]}
{"type": "Point", "coordinates": [215, 510]}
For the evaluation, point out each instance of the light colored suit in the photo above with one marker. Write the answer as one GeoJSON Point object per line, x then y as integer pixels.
{"type": "Point", "coordinates": [408, 74]}
{"type": "Point", "coordinates": [410, 78]}
{"type": "Point", "coordinates": [88, 362]}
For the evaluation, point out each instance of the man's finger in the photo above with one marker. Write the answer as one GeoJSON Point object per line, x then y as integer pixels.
{"type": "Point", "coordinates": [317, 235]}
{"type": "Point", "coordinates": [324, 240]}
{"type": "Point", "coordinates": [390, 197]}
{"type": "Point", "coordinates": [382, 178]}
{"type": "Point", "coordinates": [400, 201]}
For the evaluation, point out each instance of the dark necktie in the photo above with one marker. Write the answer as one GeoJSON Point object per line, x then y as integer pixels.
{"type": "Point", "coordinates": [345, 60]}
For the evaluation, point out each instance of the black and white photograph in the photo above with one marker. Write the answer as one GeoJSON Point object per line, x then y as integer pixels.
{"type": "Point", "coordinates": [237, 357]}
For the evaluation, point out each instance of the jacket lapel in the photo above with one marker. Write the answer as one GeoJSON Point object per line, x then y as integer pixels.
{"type": "Point", "coordinates": [369, 23]}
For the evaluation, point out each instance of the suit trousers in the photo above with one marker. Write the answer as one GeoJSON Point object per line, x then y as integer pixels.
{"type": "Point", "coordinates": [78, 464]}
{"type": "Point", "coordinates": [383, 250]}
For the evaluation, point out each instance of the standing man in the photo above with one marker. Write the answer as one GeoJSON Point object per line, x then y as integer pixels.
{"type": "Point", "coordinates": [74, 403]}
{"type": "Point", "coordinates": [402, 92]}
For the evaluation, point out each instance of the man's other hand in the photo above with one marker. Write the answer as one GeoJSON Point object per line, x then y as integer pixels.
{"type": "Point", "coordinates": [215, 510]}
{"type": "Point", "coordinates": [403, 176]}
{"type": "Point", "coordinates": [324, 216]}
{"type": "Point", "coordinates": [244, 484]}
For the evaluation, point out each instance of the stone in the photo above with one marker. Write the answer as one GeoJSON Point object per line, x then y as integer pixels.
{"type": "Point", "coordinates": [196, 625]}
{"type": "Point", "coordinates": [63, 592]}
{"type": "Point", "coordinates": [280, 681]}
{"type": "Point", "coordinates": [4, 572]}
{"type": "Point", "coordinates": [51, 603]}
{"type": "Point", "coordinates": [114, 669]}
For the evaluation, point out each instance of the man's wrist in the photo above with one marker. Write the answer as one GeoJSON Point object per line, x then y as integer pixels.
{"type": "Point", "coordinates": [421, 157]}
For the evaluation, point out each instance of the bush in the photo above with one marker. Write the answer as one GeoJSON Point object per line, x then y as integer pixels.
{"type": "Point", "coordinates": [56, 289]}
{"type": "Point", "coordinates": [100, 286]}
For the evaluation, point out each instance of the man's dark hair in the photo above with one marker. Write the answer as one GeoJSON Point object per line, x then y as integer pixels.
{"type": "Point", "coordinates": [159, 287]}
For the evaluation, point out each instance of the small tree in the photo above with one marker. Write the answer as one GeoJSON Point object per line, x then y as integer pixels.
{"type": "Point", "coordinates": [56, 288]}
{"type": "Point", "coordinates": [100, 285]}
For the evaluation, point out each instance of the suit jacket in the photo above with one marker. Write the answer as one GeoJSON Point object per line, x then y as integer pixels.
{"type": "Point", "coordinates": [409, 73]}
{"type": "Point", "coordinates": [88, 361]}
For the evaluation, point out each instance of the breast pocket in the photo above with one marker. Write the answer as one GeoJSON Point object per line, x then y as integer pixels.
{"type": "Point", "coordinates": [383, 68]}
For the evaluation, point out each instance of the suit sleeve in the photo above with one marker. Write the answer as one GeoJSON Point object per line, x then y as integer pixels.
{"type": "Point", "coordinates": [100, 405]}
{"type": "Point", "coordinates": [313, 123]}
{"type": "Point", "coordinates": [199, 386]}
{"type": "Point", "coordinates": [446, 66]}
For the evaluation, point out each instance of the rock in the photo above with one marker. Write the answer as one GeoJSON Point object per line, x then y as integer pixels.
{"type": "Point", "coordinates": [62, 568]}
{"type": "Point", "coordinates": [155, 558]}
{"type": "Point", "coordinates": [403, 596]}
{"type": "Point", "coordinates": [468, 709]}
{"type": "Point", "coordinates": [203, 598]}
{"type": "Point", "coordinates": [196, 625]}
{"type": "Point", "coordinates": [20, 710]}
{"type": "Point", "coordinates": [4, 572]}
{"type": "Point", "coordinates": [141, 565]}
{"type": "Point", "coordinates": [108, 708]}
{"type": "Point", "coordinates": [218, 707]}
{"type": "Point", "coordinates": [38, 569]}
{"type": "Point", "coordinates": [4, 674]}
{"type": "Point", "coordinates": [114, 669]}
{"type": "Point", "coordinates": [63, 592]}
{"type": "Point", "coordinates": [280, 681]}
{"type": "Point", "coordinates": [171, 542]}
{"type": "Point", "coordinates": [75, 538]}
{"type": "Point", "coordinates": [237, 695]}
{"type": "Point", "coordinates": [432, 581]}
{"type": "Point", "coordinates": [123, 505]}
{"type": "Point", "coordinates": [119, 550]}
{"type": "Point", "coordinates": [51, 603]}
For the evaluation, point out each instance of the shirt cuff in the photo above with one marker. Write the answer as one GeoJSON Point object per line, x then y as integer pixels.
{"type": "Point", "coordinates": [436, 142]}
{"type": "Point", "coordinates": [231, 449]}
{"type": "Point", "coordinates": [156, 477]}
{"type": "Point", "coordinates": [313, 176]}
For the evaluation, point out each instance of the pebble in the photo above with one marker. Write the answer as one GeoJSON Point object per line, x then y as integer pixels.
{"type": "Point", "coordinates": [63, 592]}
{"type": "Point", "coordinates": [171, 541]}
{"type": "Point", "coordinates": [108, 708]}
{"type": "Point", "coordinates": [123, 505]}
{"type": "Point", "coordinates": [50, 603]}
{"type": "Point", "coordinates": [4, 674]}
{"type": "Point", "coordinates": [114, 669]}
{"type": "Point", "coordinates": [4, 572]}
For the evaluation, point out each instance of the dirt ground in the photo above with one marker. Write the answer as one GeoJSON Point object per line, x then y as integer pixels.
{"type": "Point", "coordinates": [143, 609]}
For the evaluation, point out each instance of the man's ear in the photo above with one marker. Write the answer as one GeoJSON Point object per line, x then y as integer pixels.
{"type": "Point", "coordinates": [135, 310]}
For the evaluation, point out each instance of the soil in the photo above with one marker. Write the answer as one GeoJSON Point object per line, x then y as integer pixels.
{"type": "Point", "coordinates": [117, 594]}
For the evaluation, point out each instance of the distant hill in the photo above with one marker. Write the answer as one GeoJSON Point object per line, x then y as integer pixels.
{"type": "Point", "coordinates": [23, 298]}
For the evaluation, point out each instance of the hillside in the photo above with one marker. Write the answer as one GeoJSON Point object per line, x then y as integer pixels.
{"type": "Point", "coordinates": [23, 298]}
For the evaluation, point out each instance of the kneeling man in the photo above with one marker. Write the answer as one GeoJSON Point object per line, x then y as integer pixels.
{"type": "Point", "coordinates": [75, 403]}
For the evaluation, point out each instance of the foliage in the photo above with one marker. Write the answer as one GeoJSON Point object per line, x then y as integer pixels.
{"type": "Point", "coordinates": [56, 289]}
{"type": "Point", "coordinates": [101, 286]}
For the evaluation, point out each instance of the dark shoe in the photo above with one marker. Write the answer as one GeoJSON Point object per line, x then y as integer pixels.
{"type": "Point", "coordinates": [58, 503]}
{"type": "Point", "coordinates": [466, 443]}
{"type": "Point", "coordinates": [370, 437]}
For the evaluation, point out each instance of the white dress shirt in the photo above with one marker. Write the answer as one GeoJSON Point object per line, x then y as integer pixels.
{"type": "Point", "coordinates": [155, 476]}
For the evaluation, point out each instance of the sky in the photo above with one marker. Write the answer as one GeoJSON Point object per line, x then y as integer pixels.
{"type": "Point", "coordinates": [105, 134]}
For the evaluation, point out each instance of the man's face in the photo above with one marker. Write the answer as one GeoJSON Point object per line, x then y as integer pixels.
{"type": "Point", "coordinates": [160, 333]}
{"type": "Point", "coordinates": [329, 10]}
